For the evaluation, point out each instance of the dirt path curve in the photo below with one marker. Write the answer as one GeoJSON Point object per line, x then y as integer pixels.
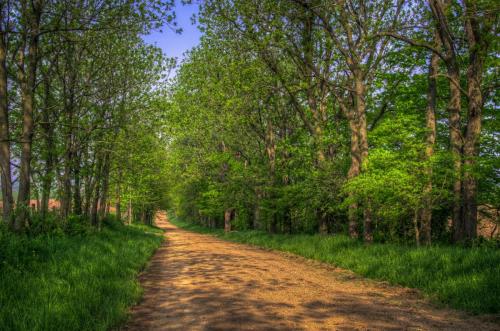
{"type": "Point", "coordinates": [198, 282]}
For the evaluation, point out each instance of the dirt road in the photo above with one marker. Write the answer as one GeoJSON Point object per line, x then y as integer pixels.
{"type": "Point", "coordinates": [198, 282]}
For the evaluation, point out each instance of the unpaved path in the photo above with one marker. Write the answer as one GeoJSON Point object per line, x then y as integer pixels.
{"type": "Point", "coordinates": [198, 282]}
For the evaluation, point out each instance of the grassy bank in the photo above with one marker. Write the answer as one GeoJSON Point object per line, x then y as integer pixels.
{"type": "Point", "coordinates": [463, 278]}
{"type": "Point", "coordinates": [80, 282]}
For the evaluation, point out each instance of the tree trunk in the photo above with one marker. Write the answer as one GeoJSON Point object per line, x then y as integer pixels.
{"type": "Point", "coordinates": [430, 121]}
{"type": "Point", "coordinates": [368, 224]}
{"type": "Point", "coordinates": [416, 227]}
{"type": "Point", "coordinates": [27, 78]}
{"type": "Point", "coordinates": [49, 153]}
{"type": "Point", "coordinates": [477, 30]}
{"type": "Point", "coordinates": [354, 171]}
{"type": "Point", "coordinates": [69, 156]}
{"type": "Point", "coordinates": [228, 217]}
{"type": "Point", "coordinates": [6, 175]}
{"type": "Point", "coordinates": [25, 161]}
{"type": "Point", "coordinates": [118, 210]}
{"type": "Point", "coordinates": [439, 10]}
{"type": "Point", "coordinates": [68, 160]}
{"type": "Point", "coordinates": [89, 189]}
{"type": "Point", "coordinates": [129, 212]}
{"type": "Point", "coordinates": [77, 193]}
{"type": "Point", "coordinates": [94, 215]}
{"type": "Point", "coordinates": [360, 106]}
{"type": "Point", "coordinates": [454, 108]}
{"type": "Point", "coordinates": [322, 223]}
{"type": "Point", "coordinates": [105, 186]}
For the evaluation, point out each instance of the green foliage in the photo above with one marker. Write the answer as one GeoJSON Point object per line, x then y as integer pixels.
{"type": "Point", "coordinates": [463, 278]}
{"type": "Point", "coordinates": [263, 112]}
{"type": "Point", "coordinates": [85, 282]}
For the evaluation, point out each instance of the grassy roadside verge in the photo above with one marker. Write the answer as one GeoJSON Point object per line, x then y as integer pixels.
{"type": "Point", "coordinates": [61, 282]}
{"type": "Point", "coordinates": [463, 278]}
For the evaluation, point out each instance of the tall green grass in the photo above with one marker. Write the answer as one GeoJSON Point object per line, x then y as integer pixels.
{"type": "Point", "coordinates": [463, 278]}
{"type": "Point", "coordinates": [62, 282]}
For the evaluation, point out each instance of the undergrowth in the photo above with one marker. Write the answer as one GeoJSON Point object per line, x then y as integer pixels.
{"type": "Point", "coordinates": [72, 277]}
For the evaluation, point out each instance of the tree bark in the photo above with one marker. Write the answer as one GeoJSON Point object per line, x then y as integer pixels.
{"type": "Point", "coordinates": [66, 196]}
{"type": "Point", "coordinates": [454, 108]}
{"type": "Point", "coordinates": [439, 11]}
{"type": "Point", "coordinates": [322, 222]}
{"type": "Point", "coordinates": [360, 108]}
{"type": "Point", "coordinates": [228, 217]}
{"type": "Point", "coordinates": [430, 123]}
{"type": "Point", "coordinates": [105, 185]}
{"type": "Point", "coordinates": [129, 211]}
{"type": "Point", "coordinates": [118, 210]}
{"type": "Point", "coordinates": [477, 28]}
{"type": "Point", "coordinates": [94, 215]}
{"type": "Point", "coordinates": [27, 78]}
{"type": "Point", "coordinates": [6, 175]}
{"type": "Point", "coordinates": [49, 153]}
{"type": "Point", "coordinates": [354, 171]}
{"type": "Point", "coordinates": [77, 194]}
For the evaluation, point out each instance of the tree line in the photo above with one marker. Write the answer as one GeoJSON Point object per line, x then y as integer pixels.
{"type": "Point", "coordinates": [373, 118]}
{"type": "Point", "coordinates": [79, 116]}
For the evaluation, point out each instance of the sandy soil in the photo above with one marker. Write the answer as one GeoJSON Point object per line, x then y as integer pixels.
{"type": "Point", "coordinates": [198, 282]}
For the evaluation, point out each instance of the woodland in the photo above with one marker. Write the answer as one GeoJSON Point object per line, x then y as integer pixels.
{"type": "Point", "coordinates": [374, 123]}
{"type": "Point", "coordinates": [376, 119]}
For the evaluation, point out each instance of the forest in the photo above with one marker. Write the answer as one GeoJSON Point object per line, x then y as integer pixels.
{"type": "Point", "coordinates": [377, 119]}
{"type": "Point", "coordinates": [364, 134]}
{"type": "Point", "coordinates": [79, 109]}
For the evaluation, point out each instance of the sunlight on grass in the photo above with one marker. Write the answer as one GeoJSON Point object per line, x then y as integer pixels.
{"type": "Point", "coordinates": [72, 282]}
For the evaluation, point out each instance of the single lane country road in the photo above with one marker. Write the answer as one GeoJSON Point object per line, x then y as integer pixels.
{"type": "Point", "coordinates": [198, 282]}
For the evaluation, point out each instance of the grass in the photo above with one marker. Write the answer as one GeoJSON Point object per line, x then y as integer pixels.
{"type": "Point", "coordinates": [463, 278]}
{"type": "Point", "coordinates": [82, 282]}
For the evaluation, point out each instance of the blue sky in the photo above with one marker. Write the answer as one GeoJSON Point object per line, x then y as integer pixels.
{"type": "Point", "coordinates": [172, 44]}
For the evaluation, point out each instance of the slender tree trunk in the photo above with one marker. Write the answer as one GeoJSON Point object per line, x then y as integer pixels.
{"type": "Point", "coordinates": [322, 222]}
{"type": "Point", "coordinates": [416, 227]}
{"type": "Point", "coordinates": [26, 144]}
{"type": "Point", "coordinates": [105, 186]}
{"type": "Point", "coordinates": [228, 217]}
{"type": "Point", "coordinates": [118, 210]}
{"type": "Point", "coordinates": [94, 214]}
{"type": "Point", "coordinates": [68, 160]}
{"type": "Point", "coordinates": [454, 108]}
{"type": "Point", "coordinates": [354, 171]}
{"type": "Point", "coordinates": [368, 223]}
{"type": "Point", "coordinates": [360, 106]}
{"type": "Point", "coordinates": [27, 78]}
{"type": "Point", "coordinates": [6, 176]}
{"type": "Point", "coordinates": [430, 120]}
{"type": "Point", "coordinates": [90, 181]}
{"type": "Point", "coordinates": [77, 190]}
{"type": "Point", "coordinates": [70, 148]}
{"type": "Point", "coordinates": [49, 153]}
{"type": "Point", "coordinates": [89, 189]}
{"type": "Point", "coordinates": [129, 211]}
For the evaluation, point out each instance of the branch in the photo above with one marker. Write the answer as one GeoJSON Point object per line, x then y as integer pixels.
{"type": "Point", "coordinates": [414, 43]}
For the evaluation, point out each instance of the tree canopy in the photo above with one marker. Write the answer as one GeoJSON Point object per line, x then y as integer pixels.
{"type": "Point", "coordinates": [377, 119]}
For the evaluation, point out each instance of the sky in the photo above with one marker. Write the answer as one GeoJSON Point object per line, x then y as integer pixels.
{"type": "Point", "coordinates": [173, 44]}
